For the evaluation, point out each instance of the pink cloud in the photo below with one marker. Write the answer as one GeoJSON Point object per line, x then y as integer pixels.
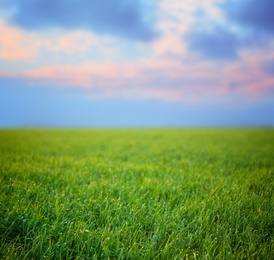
{"type": "Point", "coordinates": [162, 78]}
{"type": "Point", "coordinates": [170, 73]}
{"type": "Point", "coordinates": [73, 42]}
{"type": "Point", "coordinates": [118, 80]}
{"type": "Point", "coordinates": [88, 75]}
{"type": "Point", "coordinates": [16, 44]}
{"type": "Point", "coordinates": [249, 74]}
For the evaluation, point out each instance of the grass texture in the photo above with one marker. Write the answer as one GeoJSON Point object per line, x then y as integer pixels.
{"type": "Point", "coordinates": [137, 194]}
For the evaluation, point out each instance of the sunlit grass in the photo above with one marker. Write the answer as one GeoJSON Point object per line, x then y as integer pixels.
{"type": "Point", "coordinates": [136, 194]}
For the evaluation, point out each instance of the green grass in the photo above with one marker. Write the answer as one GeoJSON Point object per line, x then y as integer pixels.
{"type": "Point", "coordinates": [137, 194]}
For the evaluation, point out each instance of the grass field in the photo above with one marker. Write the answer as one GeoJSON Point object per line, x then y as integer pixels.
{"type": "Point", "coordinates": [137, 194]}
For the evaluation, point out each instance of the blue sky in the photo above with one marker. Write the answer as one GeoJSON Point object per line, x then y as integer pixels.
{"type": "Point", "coordinates": [125, 63]}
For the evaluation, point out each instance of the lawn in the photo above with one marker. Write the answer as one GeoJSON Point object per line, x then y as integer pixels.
{"type": "Point", "coordinates": [137, 194]}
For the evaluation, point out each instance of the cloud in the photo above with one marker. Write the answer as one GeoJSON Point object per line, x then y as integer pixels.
{"type": "Point", "coordinates": [216, 44]}
{"type": "Point", "coordinates": [162, 79]}
{"type": "Point", "coordinates": [17, 44]}
{"type": "Point", "coordinates": [268, 67]}
{"type": "Point", "coordinates": [131, 19]}
{"type": "Point", "coordinates": [246, 24]}
{"type": "Point", "coordinates": [168, 70]}
{"type": "Point", "coordinates": [253, 14]}
{"type": "Point", "coordinates": [13, 44]}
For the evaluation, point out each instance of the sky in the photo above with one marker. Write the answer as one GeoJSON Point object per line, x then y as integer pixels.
{"type": "Point", "coordinates": [136, 63]}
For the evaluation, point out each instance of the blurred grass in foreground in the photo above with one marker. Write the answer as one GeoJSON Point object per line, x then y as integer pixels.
{"type": "Point", "coordinates": [137, 194]}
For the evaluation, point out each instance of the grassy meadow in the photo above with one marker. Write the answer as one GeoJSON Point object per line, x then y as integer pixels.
{"type": "Point", "coordinates": [137, 194]}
